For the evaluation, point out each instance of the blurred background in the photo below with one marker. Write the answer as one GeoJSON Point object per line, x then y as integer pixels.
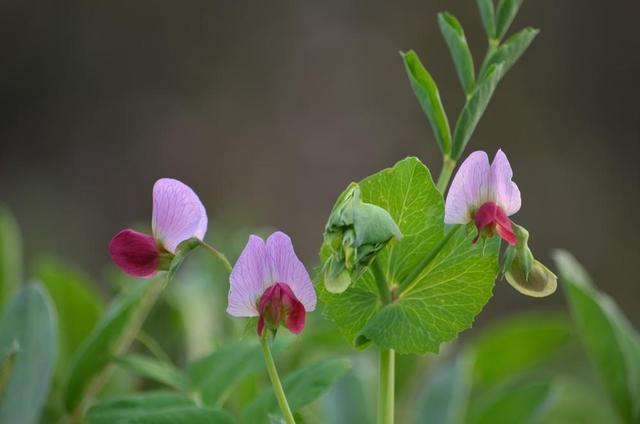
{"type": "Point", "coordinates": [269, 109]}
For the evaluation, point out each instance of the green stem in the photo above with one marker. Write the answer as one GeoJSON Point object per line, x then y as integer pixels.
{"type": "Point", "coordinates": [448, 165]}
{"type": "Point", "coordinates": [387, 386]}
{"type": "Point", "coordinates": [406, 282]}
{"type": "Point", "coordinates": [275, 380]}
{"type": "Point", "coordinates": [381, 282]}
{"type": "Point", "coordinates": [218, 254]}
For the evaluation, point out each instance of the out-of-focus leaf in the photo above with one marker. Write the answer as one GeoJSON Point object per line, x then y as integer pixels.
{"type": "Point", "coordinates": [576, 402]}
{"type": "Point", "coordinates": [446, 397]}
{"type": "Point", "coordinates": [10, 255]}
{"type": "Point", "coordinates": [426, 90]}
{"type": "Point", "coordinates": [155, 408]}
{"type": "Point", "coordinates": [77, 305]}
{"type": "Point", "coordinates": [346, 402]}
{"type": "Point", "coordinates": [301, 388]}
{"type": "Point", "coordinates": [162, 372]}
{"type": "Point", "coordinates": [518, 344]}
{"type": "Point", "coordinates": [457, 42]}
{"type": "Point", "coordinates": [215, 374]}
{"type": "Point", "coordinates": [7, 361]}
{"type": "Point", "coordinates": [110, 336]}
{"type": "Point", "coordinates": [29, 320]}
{"type": "Point", "coordinates": [474, 108]}
{"type": "Point", "coordinates": [509, 52]}
{"type": "Point", "coordinates": [505, 13]}
{"type": "Point", "coordinates": [611, 341]}
{"type": "Point", "coordinates": [439, 302]}
{"type": "Point", "coordinates": [523, 403]}
{"type": "Point", "coordinates": [487, 14]}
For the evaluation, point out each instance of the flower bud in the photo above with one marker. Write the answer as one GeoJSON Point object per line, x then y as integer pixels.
{"type": "Point", "coordinates": [355, 232]}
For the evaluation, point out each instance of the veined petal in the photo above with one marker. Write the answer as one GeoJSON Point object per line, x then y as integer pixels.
{"type": "Point", "coordinates": [506, 192]}
{"type": "Point", "coordinates": [135, 253]}
{"type": "Point", "coordinates": [178, 213]}
{"type": "Point", "coordinates": [250, 276]}
{"type": "Point", "coordinates": [469, 189]}
{"type": "Point", "coordinates": [287, 268]}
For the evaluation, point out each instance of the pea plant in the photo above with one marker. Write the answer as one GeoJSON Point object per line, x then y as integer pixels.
{"type": "Point", "coordinates": [406, 264]}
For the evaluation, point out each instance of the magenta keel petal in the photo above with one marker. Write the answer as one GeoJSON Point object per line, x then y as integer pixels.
{"type": "Point", "coordinates": [178, 213]}
{"type": "Point", "coordinates": [135, 253]}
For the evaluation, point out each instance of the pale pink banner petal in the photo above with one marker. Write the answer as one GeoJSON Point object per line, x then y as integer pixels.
{"type": "Point", "coordinates": [287, 268]}
{"type": "Point", "coordinates": [178, 213]}
{"type": "Point", "coordinates": [469, 189]}
{"type": "Point", "coordinates": [506, 192]}
{"type": "Point", "coordinates": [249, 277]}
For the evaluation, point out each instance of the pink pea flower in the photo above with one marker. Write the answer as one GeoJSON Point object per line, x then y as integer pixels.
{"type": "Point", "coordinates": [178, 215]}
{"type": "Point", "coordinates": [270, 282]}
{"type": "Point", "coordinates": [484, 194]}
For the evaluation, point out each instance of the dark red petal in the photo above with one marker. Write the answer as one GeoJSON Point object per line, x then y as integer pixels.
{"type": "Point", "coordinates": [135, 253]}
{"type": "Point", "coordinates": [505, 231]}
{"type": "Point", "coordinates": [295, 320]}
{"type": "Point", "coordinates": [260, 326]}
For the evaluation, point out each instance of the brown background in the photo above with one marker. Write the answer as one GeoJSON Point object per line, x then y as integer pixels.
{"type": "Point", "coordinates": [268, 109]}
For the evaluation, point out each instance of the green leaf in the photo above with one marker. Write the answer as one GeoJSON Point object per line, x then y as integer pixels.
{"type": "Point", "coordinates": [456, 41]}
{"type": "Point", "coordinates": [474, 108]}
{"type": "Point", "coordinates": [10, 255]}
{"type": "Point", "coordinates": [154, 369]}
{"type": "Point", "coordinates": [443, 299]}
{"type": "Point", "coordinates": [447, 395]}
{"type": "Point", "coordinates": [111, 335]}
{"type": "Point", "coordinates": [29, 320]}
{"type": "Point", "coordinates": [301, 388]}
{"type": "Point", "coordinates": [487, 14]}
{"type": "Point", "coordinates": [78, 307]}
{"type": "Point", "coordinates": [519, 404]}
{"type": "Point", "coordinates": [214, 375]}
{"type": "Point", "coordinates": [517, 345]}
{"type": "Point", "coordinates": [505, 13]}
{"type": "Point", "coordinates": [426, 91]}
{"type": "Point", "coordinates": [155, 408]}
{"type": "Point", "coordinates": [610, 340]}
{"type": "Point", "coordinates": [509, 52]}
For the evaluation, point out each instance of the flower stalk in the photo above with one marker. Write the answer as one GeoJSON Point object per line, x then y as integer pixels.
{"type": "Point", "coordinates": [275, 380]}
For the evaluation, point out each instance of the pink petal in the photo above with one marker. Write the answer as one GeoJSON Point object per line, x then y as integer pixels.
{"type": "Point", "coordinates": [135, 253]}
{"type": "Point", "coordinates": [287, 268]}
{"type": "Point", "coordinates": [469, 189]}
{"type": "Point", "coordinates": [178, 213]}
{"type": "Point", "coordinates": [250, 276]}
{"type": "Point", "coordinates": [506, 192]}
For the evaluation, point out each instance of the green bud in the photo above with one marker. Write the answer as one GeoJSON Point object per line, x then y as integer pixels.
{"type": "Point", "coordinates": [355, 232]}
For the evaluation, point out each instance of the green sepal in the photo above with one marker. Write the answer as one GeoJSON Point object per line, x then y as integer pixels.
{"type": "Point", "coordinates": [183, 249]}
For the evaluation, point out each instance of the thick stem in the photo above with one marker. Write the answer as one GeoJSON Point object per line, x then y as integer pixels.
{"type": "Point", "coordinates": [218, 254]}
{"type": "Point", "coordinates": [381, 282]}
{"type": "Point", "coordinates": [275, 380]}
{"type": "Point", "coordinates": [448, 165]}
{"type": "Point", "coordinates": [386, 387]}
{"type": "Point", "coordinates": [406, 282]}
